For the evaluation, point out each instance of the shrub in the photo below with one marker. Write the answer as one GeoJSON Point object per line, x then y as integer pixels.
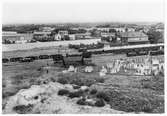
{"type": "Point", "coordinates": [78, 82]}
{"type": "Point", "coordinates": [100, 103]}
{"type": "Point", "coordinates": [147, 108]}
{"type": "Point", "coordinates": [93, 91]}
{"type": "Point", "coordinates": [100, 80]}
{"type": "Point", "coordinates": [22, 109]}
{"type": "Point", "coordinates": [53, 79]}
{"type": "Point", "coordinates": [75, 94]}
{"type": "Point", "coordinates": [63, 92]}
{"type": "Point", "coordinates": [103, 95]}
{"type": "Point", "coordinates": [62, 80]}
{"type": "Point", "coordinates": [81, 102]}
{"type": "Point", "coordinates": [130, 104]}
{"type": "Point", "coordinates": [89, 82]}
{"type": "Point", "coordinates": [155, 83]}
{"type": "Point", "coordinates": [76, 87]}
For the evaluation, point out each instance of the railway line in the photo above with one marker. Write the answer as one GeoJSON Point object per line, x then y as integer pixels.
{"type": "Point", "coordinates": [131, 50]}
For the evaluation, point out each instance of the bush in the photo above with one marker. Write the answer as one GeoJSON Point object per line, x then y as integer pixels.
{"type": "Point", "coordinates": [130, 104]}
{"type": "Point", "coordinates": [63, 92]}
{"type": "Point", "coordinates": [78, 79]}
{"type": "Point", "coordinates": [62, 80]}
{"type": "Point", "coordinates": [100, 80]}
{"type": "Point", "coordinates": [53, 79]}
{"type": "Point", "coordinates": [93, 91]}
{"type": "Point", "coordinates": [75, 94]}
{"type": "Point", "coordinates": [103, 95]}
{"type": "Point", "coordinates": [81, 102]}
{"type": "Point", "coordinates": [155, 83]}
{"type": "Point", "coordinates": [76, 87]}
{"type": "Point", "coordinates": [22, 109]}
{"type": "Point", "coordinates": [147, 108]}
{"type": "Point", "coordinates": [79, 82]}
{"type": "Point", "coordinates": [100, 103]}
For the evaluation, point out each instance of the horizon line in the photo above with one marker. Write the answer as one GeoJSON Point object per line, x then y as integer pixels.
{"type": "Point", "coordinates": [86, 22]}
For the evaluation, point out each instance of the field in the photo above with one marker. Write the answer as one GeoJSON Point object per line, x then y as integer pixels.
{"type": "Point", "coordinates": [127, 93]}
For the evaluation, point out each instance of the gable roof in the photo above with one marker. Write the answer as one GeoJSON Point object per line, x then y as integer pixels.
{"type": "Point", "coordinates": [132, 34]}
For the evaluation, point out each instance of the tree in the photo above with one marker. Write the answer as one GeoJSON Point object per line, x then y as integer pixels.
{"type": "Point", "coordinates": [112, 31]}
{"type": "Point", "coordinates": [154, 36]}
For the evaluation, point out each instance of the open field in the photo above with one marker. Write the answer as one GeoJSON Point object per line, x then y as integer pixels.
{"type": "Point", "coordinates": [146, 89]}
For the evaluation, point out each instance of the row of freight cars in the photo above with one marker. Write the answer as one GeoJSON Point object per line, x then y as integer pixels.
{"type": "Point", "coordinates": [139, 53]}
{"type": "Point", "coordinates": [129, 53]}
{"type": "Point", "coordinates": [58, 57]}
{"type": "Point", "coordinates": [55, 57]}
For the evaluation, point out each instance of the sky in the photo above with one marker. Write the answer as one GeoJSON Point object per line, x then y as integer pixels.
{"type": "Point", "coordinates": [101, 11]}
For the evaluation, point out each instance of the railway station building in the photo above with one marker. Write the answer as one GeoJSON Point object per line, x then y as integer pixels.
{"type": "Point", "coordinates": [133, 38]}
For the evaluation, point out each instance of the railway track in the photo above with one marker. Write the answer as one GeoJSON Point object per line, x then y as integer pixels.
{"type": "Point", "coordinates": [121, 49]}
{"type": "Point", "coordinates": [130, 48]}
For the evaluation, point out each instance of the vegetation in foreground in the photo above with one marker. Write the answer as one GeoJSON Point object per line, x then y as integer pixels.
{"type": "Point", "coordinates": [144, 95]}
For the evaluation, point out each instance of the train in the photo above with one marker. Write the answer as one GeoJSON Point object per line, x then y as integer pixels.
{"type": "Point", "coordinates": [133, 50]}
{"type": "Point", "coordinates": [55, 57]}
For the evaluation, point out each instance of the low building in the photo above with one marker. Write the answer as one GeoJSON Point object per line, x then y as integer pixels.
{"type": "Point", "coordinates": [72, 36]}
{"type": "Point", "coordinates": [130, 29]}
{"type": "Point", "coordinates": [108, 36]}
{"type": "Point", "coordinates": [42, 36]}
{"type": "Point", "coordinates": [61, 35]}
{"type": "Point", "coordinates": [83, 35]}
{"type": "Point", "coordinates": [103, 29]}
{"type": "Point", "coordinates": [14, 37]}
{"type": "Point", "coordinates": [46, 29]}
{"type": "Point", "coordinates": [120, 29]}
{"type": "Point", "coordinates": [103, 34]}
{"type": "Point", "coordinates": [133, 38]}
{"type": "Point", "coordinates": [63, 32]}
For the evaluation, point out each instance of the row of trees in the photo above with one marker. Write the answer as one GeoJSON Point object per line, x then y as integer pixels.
{"type": "Point", "coordinates": [155, 36]}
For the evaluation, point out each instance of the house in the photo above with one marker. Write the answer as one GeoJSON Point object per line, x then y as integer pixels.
{"type": "Point", "coordinates": [103, 34]}
{"type": "Point", "coordinates": [61, 35]}
{"type": "Point", "coordinates": [46, 29]}
{"type": "Point", "coordinates": [120, 29]}
{"type": "Point", "coordinates": [42, 36]}
{"type": "Point", "coordinates": [72, 36]}
{"type": "Point", "coordinates": [14, 37]}
{"type": "Point", "coordinates": [57, 37]}
{"type": "Point", "coordinates": [130, 29]}
{"type": "Point", "coordinates": [83, 35]}
{"type": "Point", "coordinates": [107, 36]}
{"type": "Point", "coordinates": [133, 38]}
{"type": "Point", "coordinates": [103, 29]}
{"type": "Point", "coordinates": [63, 32]}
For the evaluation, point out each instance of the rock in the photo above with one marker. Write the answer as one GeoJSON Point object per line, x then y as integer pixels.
{"type": "Point", "coordinates": [68, 86]}
{"type": "Point", "coordinates": [101, 74]}
{"type": "Point", "coordinates": [71, 68]}
{"type": "Point", "coordinates": [104, 70]}
{"type": "Point", "coordinates": [88, 69]}
{"type": "Point", "coordinates": [53, 103]}
{"type": "Point", "coordinates": [65, 71]}
{"type": "Point", "coordinates": [83, 88]}
{"type": "Point", "coordinates": [90, 102]}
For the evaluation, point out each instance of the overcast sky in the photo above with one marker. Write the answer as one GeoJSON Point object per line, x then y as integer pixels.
{"type": "Point", "coordinates": [113, 11]}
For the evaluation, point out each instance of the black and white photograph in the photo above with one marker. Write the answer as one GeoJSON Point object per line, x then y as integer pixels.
{"type": "Point", "coordinates": [87, 57]}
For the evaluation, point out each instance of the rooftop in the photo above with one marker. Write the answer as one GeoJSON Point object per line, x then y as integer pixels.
{"type": "Point", "coordinates": [132, 34]}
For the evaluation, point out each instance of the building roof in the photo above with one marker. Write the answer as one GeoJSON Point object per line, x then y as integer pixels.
{"type": "Point", "coordinates": [42, 32]}
{"type": "Point", "coordinates": [132, 34]}
{"type": "Point", "coordinates": [8, 32]}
